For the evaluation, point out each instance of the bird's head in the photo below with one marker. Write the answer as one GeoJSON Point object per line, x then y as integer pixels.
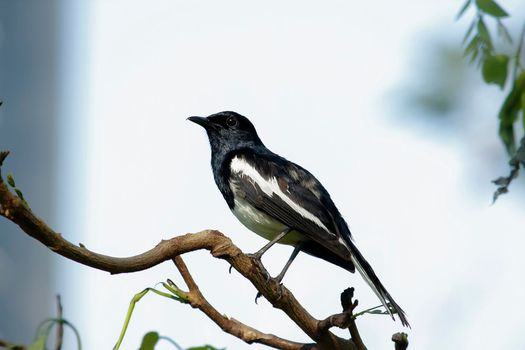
{"type": "Point", "coordinates": [228, 131]}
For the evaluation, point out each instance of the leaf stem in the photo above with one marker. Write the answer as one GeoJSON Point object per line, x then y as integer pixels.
{"type": "Point", "coordinates": [366, 311]}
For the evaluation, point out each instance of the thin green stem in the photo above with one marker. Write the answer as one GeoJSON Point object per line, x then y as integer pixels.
{"type": "Point", "coordinates": [136, 298]}
{"type": "Point", "coordinates": [50, 322]}
{"type": "Point", "coordinates": [47, 322]}
{"type": "Point", "coordinates": [181, 296]}
{"type": "Point", "coordinates": [171, 341]}
{"type": "Point", "coordinates": [367, 311]}
{"type": "Point", "coordinates": [70, 325]}
{"type": "Point", "coordinates": [132, 303]}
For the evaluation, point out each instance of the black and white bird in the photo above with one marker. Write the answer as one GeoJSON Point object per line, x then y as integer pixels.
{"type": "Point", "coordinates": [281, 201]}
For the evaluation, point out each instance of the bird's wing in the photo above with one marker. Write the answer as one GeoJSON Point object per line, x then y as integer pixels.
{"type": "Point", "coordinates": [292, 195]}
{"type": "Point", "coordinates": [289, 194]}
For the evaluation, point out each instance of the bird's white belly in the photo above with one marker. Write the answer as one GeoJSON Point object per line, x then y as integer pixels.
{"type": "Point", "coordinates": [263, 224]}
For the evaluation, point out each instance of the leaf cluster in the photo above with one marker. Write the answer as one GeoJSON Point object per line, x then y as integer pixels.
{"type": "Point", "coordinates": [478, 42]}
{"type": "Point", "coordinates": [503, 70]}
{"type": "Point", "coordinates": [11, 182]}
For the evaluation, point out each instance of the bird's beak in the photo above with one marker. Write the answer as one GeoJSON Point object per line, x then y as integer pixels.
{"type": "Point", "coordinates": [202, 121]}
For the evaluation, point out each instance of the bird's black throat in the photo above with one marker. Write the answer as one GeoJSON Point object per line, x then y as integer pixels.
{"type": "Point", "coordinates": [228, 133]}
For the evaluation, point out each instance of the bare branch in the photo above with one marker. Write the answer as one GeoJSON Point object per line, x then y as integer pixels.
{"type": "Point", "coordinates": [345, 319]}
{"type": "Point", "coordinates": [3, 155]}
{"type": "Point", "coordinates": [7, 345]}
{"type": "Point", "coordinates": [401, 341]}
{"type": "Point", "coordinates": [349, 307]}
{"type": "Point", "coordinates": [220, 246]}
{"type": "Point", "coordinates": [60, 325]}
{"type": "Point", "coordinates": [231, 325]}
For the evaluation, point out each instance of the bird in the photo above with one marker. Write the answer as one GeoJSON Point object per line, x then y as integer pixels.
{"type": "Point", "coordinates": [282, 202]}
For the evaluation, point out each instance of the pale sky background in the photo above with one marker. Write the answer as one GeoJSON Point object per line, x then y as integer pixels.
{"type": "Point", "coordinates": [317, 80]}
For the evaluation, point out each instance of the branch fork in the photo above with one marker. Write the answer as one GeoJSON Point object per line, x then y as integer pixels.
{"type": "Point", "coordinates": [221, 247]}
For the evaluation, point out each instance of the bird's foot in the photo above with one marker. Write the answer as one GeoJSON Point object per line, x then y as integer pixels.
{"type": "Point", "coordinates": [279, 293]}
{"type": "Point", "coordinates": [257, 296]}
{"type": "Point", "coordinates": [257, 259]}
{"type": "Point", "coordinates": [255, 256]}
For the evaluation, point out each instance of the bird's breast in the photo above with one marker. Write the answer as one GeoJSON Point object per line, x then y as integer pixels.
{"type": "Point", "coordinates": [263, 224]}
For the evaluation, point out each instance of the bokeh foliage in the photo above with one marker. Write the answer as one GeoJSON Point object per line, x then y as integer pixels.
{"type": "Point", "coordinates": [503, 70]}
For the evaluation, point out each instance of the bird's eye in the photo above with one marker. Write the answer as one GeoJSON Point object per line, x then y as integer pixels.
{"type": "Point", "coordinates": [231, 122]}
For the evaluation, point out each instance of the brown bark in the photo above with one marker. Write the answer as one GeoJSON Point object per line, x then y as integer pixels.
{"type": "Point", "coordinates": [16, 210]}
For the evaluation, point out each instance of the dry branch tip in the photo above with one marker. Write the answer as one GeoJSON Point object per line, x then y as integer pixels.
{"type": "Point", "coordinates": [401, 340]}
{"type": "Point", "coordinates": [3, 156]}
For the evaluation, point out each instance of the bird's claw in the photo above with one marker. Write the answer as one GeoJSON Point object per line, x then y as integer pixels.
{"type": "Point", "coordinates": [255, 256]}
{"type": "Point", "coordinates": [279, 293]}
{"type": "Point", "coordinates": [257, 296]}
{"type": "Point", "coordinates": [258, 262]}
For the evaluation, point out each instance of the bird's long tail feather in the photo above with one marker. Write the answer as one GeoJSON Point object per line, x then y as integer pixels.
{"type": "Point", "coordinates": [373, 281]}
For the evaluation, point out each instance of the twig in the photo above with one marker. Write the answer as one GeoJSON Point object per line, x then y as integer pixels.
{"type": "Point", "coordinates": [11, 346]}
{"type": "Point", "coordinates": [401, 341]}
{"type": "Point", "coordinates": [60, 325]}
{"type": "Point", "coordinates": [3, 156]}
{"type": "Point", "coordinates": [231, 325]}
{"type": "Point", "coordinates": [349, 307]}
{"type": "Point", "coordinates": [338, 320]}
{"type": "Point", "coordinates": [346, 319]}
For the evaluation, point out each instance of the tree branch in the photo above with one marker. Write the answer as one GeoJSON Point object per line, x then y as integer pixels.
{"type": "Point", "coordinates": [231, 325]}
{"type": "Point", "coordinates": [11, 346]}
{"type": "Point", "coordinates": [400, 340]}
{"type": "Point", "coordinates": [220, 246]}
{"type": "Point", "coordinates": [16, 210]}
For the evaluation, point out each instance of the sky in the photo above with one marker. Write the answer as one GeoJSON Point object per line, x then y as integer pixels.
{"type": "Point", "coordinates": [317, 81]}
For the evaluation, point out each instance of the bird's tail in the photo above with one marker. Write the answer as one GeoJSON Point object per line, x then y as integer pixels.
{"type": "Point", "coordinates": [373, 281]}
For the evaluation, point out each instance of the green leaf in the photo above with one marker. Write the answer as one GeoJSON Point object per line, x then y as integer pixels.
{"type": "Point", "coordinates": [39, 343]}
{"type": "Point", "coordinates": [463, 9]}
{"type": "Point", "coordinates": [490, 7]}
{"type": "Point", "coordinates": [509, 112]}
{"type": "Point", "coordinates": [19, 194]}
{"type": "Point", "coordinates": [149, 341]}
{"type": "Point", "coordinates": [11, 180]}
{"type": "Point", "coordinates": [45, 327]}
{"type": "Point", "coordinates": [472, 48]}
{"type": "Point", "coordinates": [506, 133]}
{"type": "Point", "coordinates": [483, 34]}
{"type": "Point", "coordinates": [495, 69]}
{"type": "Point", "coordinates": [205, 347]}
{"type": "Point", "coordinates": [378, 312]}
{"type": "Point", "coordinates": [523, 110]}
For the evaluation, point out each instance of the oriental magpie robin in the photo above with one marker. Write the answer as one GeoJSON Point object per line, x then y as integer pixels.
{"type": "Point", "coordinates": [281, 201]}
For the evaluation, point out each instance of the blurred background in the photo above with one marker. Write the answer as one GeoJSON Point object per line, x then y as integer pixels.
{"type": "Point", "coordinates": [374, 98]}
